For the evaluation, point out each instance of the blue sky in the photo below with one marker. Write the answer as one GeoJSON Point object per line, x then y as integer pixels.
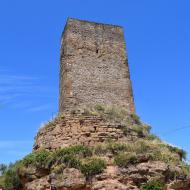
{"type": "Point", "coordinates": [158, 42]}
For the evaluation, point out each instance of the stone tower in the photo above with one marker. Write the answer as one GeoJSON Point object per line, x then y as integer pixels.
{"type": "Point", "coordinates": [94, 66]}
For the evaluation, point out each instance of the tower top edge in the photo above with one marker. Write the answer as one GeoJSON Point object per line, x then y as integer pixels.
{"type": "Point", "coordinates": [73, 22]}
{"type": "Point", "coordinates": [71, 19]}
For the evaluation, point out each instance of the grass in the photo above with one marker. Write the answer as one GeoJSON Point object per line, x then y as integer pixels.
{"type": "Point", "coordinates": [56, 120]}
{"type": "Point", "coordinates": [136, 119]}
{"type": "Point", "coordinates": [182, 153]}
{"type": "Point", "coordinates": [125, 159]}
{"type": "Point", "coordinates": [152, 137]}
{"type": "Point", "coordinates": [110, 113]}
{"type": "Point", "coordinates": [130, 152]}
{"type": "Point", "coordinates": [114, 114]}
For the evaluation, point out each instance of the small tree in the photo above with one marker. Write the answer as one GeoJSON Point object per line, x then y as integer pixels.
{"type": "Point", "coordinates": [3, 169]}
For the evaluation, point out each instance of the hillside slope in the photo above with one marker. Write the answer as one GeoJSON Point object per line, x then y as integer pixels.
{"type": "Point", "coordinates": [100, 148]}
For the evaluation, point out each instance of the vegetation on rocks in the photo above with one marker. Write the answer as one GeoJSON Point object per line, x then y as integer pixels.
{"type": "Point", "coordinates": [112, 114]}
{"type": "Point", "coordinates": [124, 159]}
{"type": "Point", "coordinates": [92, 166]}
{"type": "Point", "coordinates": [119, 115]}
{"type": "Point", "coordinates": [10, 177]}
{"type": "Point", "coordinates": [37, 159]}
{"type": "Point", "coordinates": [90, 160]}
{"type": "Point", "coordinates": [153, 185]}
{"type": "Point", "coordinates": [56, 120]}
{"type": "Point", "coordinates": [79, 157]}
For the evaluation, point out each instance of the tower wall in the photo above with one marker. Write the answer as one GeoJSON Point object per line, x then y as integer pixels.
{"type": "Point", "coordinates": [93, 66]}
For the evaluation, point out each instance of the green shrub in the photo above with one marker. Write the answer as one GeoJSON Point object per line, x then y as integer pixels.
{"type": "Point", "coordinates": [92, 166]}
{"type": "Point", "coordinates": [162, 155]}
{"type": "Point", "coordinates": [125, 130]}
{"type": "Point", "coordinates": [51, 124]}
{"type": "Point", "coordinates": [29, 159]}
{"type": "Point", "coordinates": [153, 185]}
{"type": "Point", "coordinates": [61, 156]}
{"type": "Point", "coordinates": [100, 149]}
{"type": "Point", "coordinates": [75, 157]}
{"type": "Point", "coordinates": [124, 159]}
{"type": "Point", "coordinates": [2, 185]}
{"type": "Point", "coordinates": [141, 147]}
{"type": "Point", "coordinates": [182, 153]}
{"type": "Point", "coordinates": [79, 150]}
{"type": "Point", "coordinates": [10, 180]}
{"type": "Point", "coordinates": [37, 159]}
{"type": "Point", "coordinates": [58, 169]}
{"type": "Point", "coordinates": [152, 137]}
{"type": "Point", "coordinates": [185, 169]}
{"type": "Point", "coordinates": [41, 157]}
{"type": "Point", "coordinates": [147, 127]}
{"type": "Point", "coordinates": [115, 148]}
{"type": "Point", "coordinates": [136, 119]}
{"type": "Point", "coordinates": [71, 161]}
{"type": "Point", "coordinates": [139, 130]}
{"type": "Point", "coordinates": [3, 169]}
{"type": "Point", "coordinates": [115, 114]}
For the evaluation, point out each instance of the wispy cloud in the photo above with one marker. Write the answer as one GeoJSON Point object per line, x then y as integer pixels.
{"type": "Point", "coordinates": [39, 108]}
{"type": "Point", "coordinates": [18, 90]}
{"type": "Point", "coordinates": [11, 144]}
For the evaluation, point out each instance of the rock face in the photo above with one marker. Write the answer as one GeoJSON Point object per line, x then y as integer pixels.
{"type": "Point", "coordinates": [94, 67]}
{"type": "Point", "coordinates": [38, 184]}
{"type": "Point", "coordinates": [70, 179]}
{"type": "Point", "coordinates": [113, 178]}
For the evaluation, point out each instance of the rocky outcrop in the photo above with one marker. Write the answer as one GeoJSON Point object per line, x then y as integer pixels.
{"type": "Point", "coordinates": [70, 178]}
{"type": "Point", "coordinates": [179, 185]}
{"type": "Point", "coordinates": [38, 184]}
{"type": "Point", "coordinates": [113, 178]}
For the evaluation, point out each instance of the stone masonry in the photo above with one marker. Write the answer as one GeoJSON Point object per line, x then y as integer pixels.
{"type": "Point", "coordinates": [77, 129]}
{"type": "Point", "coordinates": [94, 66]}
